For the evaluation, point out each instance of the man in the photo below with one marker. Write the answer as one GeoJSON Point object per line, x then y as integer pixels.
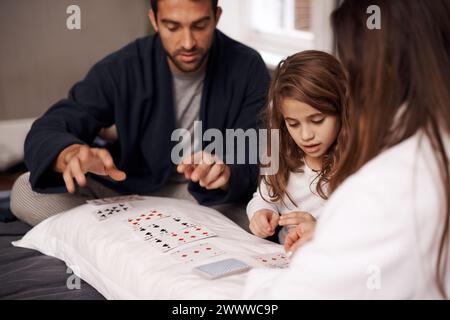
{"type": "Point", "coordinates": [187, 71]}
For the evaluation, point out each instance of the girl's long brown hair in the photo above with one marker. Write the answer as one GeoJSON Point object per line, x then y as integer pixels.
{"type": "Point", "coordinates": [404, 63]}
{"type": "Point", "coordinates": [319, 80]}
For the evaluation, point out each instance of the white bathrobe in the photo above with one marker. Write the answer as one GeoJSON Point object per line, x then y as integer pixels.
{"type": "Point", "coordinates": [377, 236]}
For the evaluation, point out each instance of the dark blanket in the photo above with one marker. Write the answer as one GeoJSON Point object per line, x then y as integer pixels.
{"type": "Point", "coordinates": [27, 274]}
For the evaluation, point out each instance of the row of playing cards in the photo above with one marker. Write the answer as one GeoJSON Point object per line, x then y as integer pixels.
{"type": "Point", "coordinates": [164, 231]}
{"type": "Point", "coordinates": [108, 207]}
{"type": "Point", "coordinates": [273, 260]}
{"type": "Point", "coordinates": [206, 250]}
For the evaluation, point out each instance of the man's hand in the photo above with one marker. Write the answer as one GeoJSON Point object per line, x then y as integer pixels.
{"type": "Point", "coordinates": [300, 234]}
{"type": "Point", "coordinates": [263, 223]}
{"type": "Point", "coordinates": [206, 169]}
{"type": "Point", "coordinates": [76, 160]}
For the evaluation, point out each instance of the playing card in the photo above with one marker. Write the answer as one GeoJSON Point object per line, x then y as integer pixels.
{"type": "Point", "coordinates": [171, 224]}
{"type": "Point", "coordinates": [107, 211]}
{"type": "Point", "coordinates": [144, 216]}
{"type": "Point", "coordinates": [161, 243]}
{"type": "Point", "coordinates": [145, 233]}
{"type": "Point", "coordinates": [196, 253]}
{"type": "Point", "coordinates": [191, 234]}
{"type": "Point", "coordinates": [163, 226]}
{"type": "Point", "coordinates": [160, 235]}
{"type": "Point", "coordinates": [156, 228]}
{"type": "Point", "coordinates": [273, 260]}
{"type": "Point", "coordinates": [111, 200]}
{"type": "Point", "coordinates": [183, 222]}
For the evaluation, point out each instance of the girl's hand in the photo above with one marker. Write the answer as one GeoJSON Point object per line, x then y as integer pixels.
{"type": "Point", "coordinates": [295, 218]}
{"type": "Point", "coordinates": [299, 235]}
{"type": "Point", "coordinates": [263, 223]}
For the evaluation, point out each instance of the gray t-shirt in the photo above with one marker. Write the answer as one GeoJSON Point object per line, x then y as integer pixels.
{"type": "Point", "coordinates": [187, 90]}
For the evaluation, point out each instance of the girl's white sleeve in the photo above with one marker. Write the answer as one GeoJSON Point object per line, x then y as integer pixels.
{"type": "Point", "coordinates": [258, 203]}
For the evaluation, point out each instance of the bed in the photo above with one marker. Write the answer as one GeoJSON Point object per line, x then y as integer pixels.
{"type": "Point", "coordinates": [113, 258]}
{"type": "Point", "coordinates": [28, 274]}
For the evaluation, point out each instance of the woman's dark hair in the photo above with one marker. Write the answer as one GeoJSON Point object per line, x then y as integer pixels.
{"type": "Point", "coordinates": [405, 63]}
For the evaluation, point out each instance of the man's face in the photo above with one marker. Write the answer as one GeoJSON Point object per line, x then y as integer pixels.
{"type": "Point", "coordinates": [186, 28]}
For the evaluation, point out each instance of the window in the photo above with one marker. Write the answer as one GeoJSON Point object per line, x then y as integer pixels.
{"type": "Point", "coordinates": [278, 28]}
{"type": "Point", "coordinates": [280, 16]}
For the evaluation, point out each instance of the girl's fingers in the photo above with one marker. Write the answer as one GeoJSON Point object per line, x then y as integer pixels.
{"type": "Point", "coordinates": [290, 221]}
{"type": "Point", "coordinates": [307, 227]}
{"type": "Point", "coordinates": [274, 219]}
{"type": "Point", "coordinates": [264, 226]}
{"type": "Point", "coordinates": [255, 229]}
{"type": "Point", "coordinates": [294, 218]}
{"type": "Point", "coordinates": [299, 214]}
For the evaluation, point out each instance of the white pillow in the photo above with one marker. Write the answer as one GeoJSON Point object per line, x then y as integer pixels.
{"type": "Point", "coordinates": [109, 257]}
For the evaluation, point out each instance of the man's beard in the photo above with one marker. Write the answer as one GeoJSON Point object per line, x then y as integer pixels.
{"type": "Point", "coordinates": [180, 66]}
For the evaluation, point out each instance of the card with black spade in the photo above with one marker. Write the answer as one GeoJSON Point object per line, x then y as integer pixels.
{"type": "Point", "coordinates": [105, 212]}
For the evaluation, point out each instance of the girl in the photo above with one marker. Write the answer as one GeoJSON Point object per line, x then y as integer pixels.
{"type": "Point", "coordinates": [307, 103]}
